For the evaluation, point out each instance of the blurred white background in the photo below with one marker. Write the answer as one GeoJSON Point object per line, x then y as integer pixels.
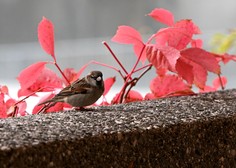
{"type": "Point", "coordinates": [81, 26]}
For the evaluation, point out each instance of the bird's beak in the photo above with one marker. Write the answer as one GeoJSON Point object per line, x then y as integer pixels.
{"type": "Point", "coordinates": [99, 78]}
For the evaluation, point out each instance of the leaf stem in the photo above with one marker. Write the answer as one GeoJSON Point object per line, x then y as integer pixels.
{"type": "Point", "coordinates": [109, 66]}
{"type": "Point", "coordinates": [113, 54]}
{"type": "Point", "coordinates": [55, 63]}
{"type": "Point", "coordinates": [221, 83]}
{"type": "Point", "coordinates": [139, 69]}
{"type": "Point", "coordinates": [26, 97]}
{"type": "Point", "coordinates": [133, 82]}
{"type": "Point", "coordinates": [140, 55]}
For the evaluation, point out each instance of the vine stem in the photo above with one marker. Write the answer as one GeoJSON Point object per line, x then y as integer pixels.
{"type": "Point", "coordinates": [55, 63]}
{"type": "Point", "coordinates": [139, 69]}
{"type": "Point", "coordinates": [135, 80]}
{"type": "Point", "coordinates": [221, 83]}
{"type": "Point", "coordinates": [15, 111]}
{"type": "Point", "coordinates": [108, 66]}
{"type": "Point", "coordinates": [136, 63]}
{"type": "Point", "coordinates": [115, 57]}
{"type": "Point", "coordinates": [26, 97]}
{"type": "Point", "coordinates": [128, 79]}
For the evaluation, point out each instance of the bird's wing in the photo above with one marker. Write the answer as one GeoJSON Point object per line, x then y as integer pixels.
{"type": "Point", "coordinates": [77, 87]}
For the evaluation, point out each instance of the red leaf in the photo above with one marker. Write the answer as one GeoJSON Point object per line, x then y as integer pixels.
{"type": "Point", "coordinates": [19, 109]}
{"type": "Point", "coordinates": [177, 36]}
{"type": "Point", "coordinates": [108, 84]}
{"type": "Point", "coordinates": [10, 105]}
{"type": "Point", "coordinates": [149, 96]}
{"type": "Point", "coordinates": [4, 90]}
{"type": "Point", "coordinates": [225, 58]}
{"type": "Point", "coordinates": [36, 109]}
{"type": "Point", "coordinates": [171, 54]}
{"type": "Point", "coordinates": [10, 102]}
{"type": "Point", "coordinates": [3, 109]}
{"type": "Point", "coordinates": [197, 43]}
{"type": "Point", "coordinates": [46, 80]}
{"type": "Point", "coordinates": [205, 59]}
{"type": "Point", "coordinates": [216, 85]}
{"type": "Point", "coordinates": [162, 15]}
{"type": "Point", "coordinates": [30, 74]}
{"type": "Point", "coordinates": [22, 108]}
{"type": "Point", "coordinates": [70, 74]}
{"type": "Point", "coordinates": [163, 57]}
{"type": "Point", "coordinates": [185, 70]}
{"type": "Point", "coordinates": [207, 89]}
{"type": "Point", "coordinates": [115, 99]}
{"type": "Point", "coordinates": [133, 96]}
{"type": "Point", "coordinates": [46, 36]}
{"type": "Point", "coordinates": [217, 82]}
{"type": "Point", "coordinates": [57, 107]}
{"type": "Point", "coordinates": [174, 37]}
{"type": "Point", "coordinates": [138, 48]}
{"type": "Point", "coordinates": [161, 72]}
{"type": "Point", "coordinates": [169, 85]}
{"type": "Point", "coordinates": [194, 64]}
{"type": "Point", "coordinates": [128, 35]}
{"type": "Point", "coordinates": [191, 72]}
{"type": "Point", "coordinates": [200, 75]}
{"type": "Point", "coordinates": [188, 26]}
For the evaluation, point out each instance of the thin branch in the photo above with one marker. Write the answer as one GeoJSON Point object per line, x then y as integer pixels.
{"type": "Point", "coordinates": [114, 56]}
{"type": "Point", "coordinates": [15, 111]}
{"type": "Point", "coordinates": [55, 63]}
{"type": "Point", "coordinates": [140, 55]}
{"type": "Point", "coordinates": [122, 92]}
{"type": "Point", "coordinates": [133, 82]}
{"type": "Point", "coordinates": [108, 66]}
{"type": "Point", "coordinates": [26, 97]}
{"type": "Point", "coordinates": [221, 83]}
{"type": "Point", "coordinates": [119, 98]}
{"type": "Point", "coordinates": [139, 69]}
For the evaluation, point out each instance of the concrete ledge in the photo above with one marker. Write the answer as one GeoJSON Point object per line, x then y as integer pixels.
{"type": "Point", "coordinates": [192, 131]}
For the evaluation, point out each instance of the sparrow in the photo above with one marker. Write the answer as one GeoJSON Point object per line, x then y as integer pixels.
{"type": "Point", "coordinates": [82, 92]}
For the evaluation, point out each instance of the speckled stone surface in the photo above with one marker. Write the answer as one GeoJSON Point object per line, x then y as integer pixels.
{"type": "Point", "coordinates": [192, 131]}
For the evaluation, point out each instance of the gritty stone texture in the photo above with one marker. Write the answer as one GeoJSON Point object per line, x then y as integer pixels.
{"type": "Point", "coordinates": [192, 131]}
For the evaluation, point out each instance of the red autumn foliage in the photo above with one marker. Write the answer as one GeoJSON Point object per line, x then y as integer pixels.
{"type": "Point", "coordinates": [132, 96]}
{"type": "Point", "coordinates": [39, 78]}
{"type": "Point", "coordinates": [163, 56]}
{"type": "Point", "coordinates": [70, 74]}
{"type": "Point", "coordinates": [128, 35]}
{"type": "Point", "coordinates": [162, 15]}
{"type": "Point", "coordinates": [169, 85]}
{"type": "Point", "coordinates": [197, 62]}
{"type": "Point", "coordinates": [46, 36]}
{"type": "Point", "coordinates": [217, 83]}
{"type": "Point", "coordinates": [29, 75]}
{"type": "Point", "coordinates": [108, 83]}
{"type": "Point", "coordinates": [3, 109]}
{"type": "Point", "coordinates": [177, 57]}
